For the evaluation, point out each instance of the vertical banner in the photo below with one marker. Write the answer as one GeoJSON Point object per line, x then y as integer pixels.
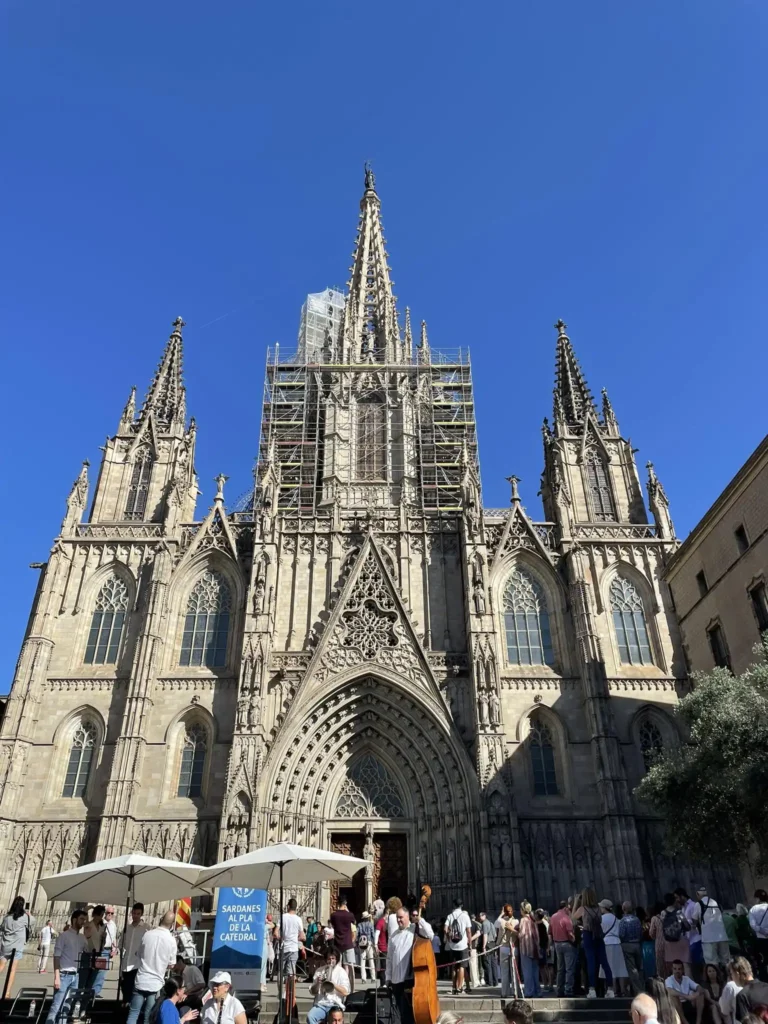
{"type": "Point", "coordinates": [238, 941]}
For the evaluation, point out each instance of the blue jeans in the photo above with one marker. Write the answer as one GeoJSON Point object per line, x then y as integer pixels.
{"type": "Point", "coordinates": [530, 975]}
{"type": "Point", "coordinates": [491, 968]}
{"type": "Point", "coordinates": [507, 969]}
{"type": "Point", "coordinates": [68, 981]}
{"type": "Point", "coordinates": [141, 1004]}
{"type": "Point", "coordinates": [317, 1014]}
{"type": "Point", "coordinates": [594, 950]}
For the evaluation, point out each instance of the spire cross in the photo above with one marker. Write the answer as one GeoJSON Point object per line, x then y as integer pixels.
{"type": "Point", "coordinates": [513, 481]}
{"type": "Point", "coordinates": [561, 326]}
{"type": "Point", "coordinates": [220, 480]}
{"type": "Point", "coordinates": [178, 323]}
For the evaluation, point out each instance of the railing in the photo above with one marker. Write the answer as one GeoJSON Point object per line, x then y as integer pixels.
{"type": "Point", "coordinates": [614, 531]}
{"type": "Point", "coordinates": [438, 357]}
{"type": "Point", "coordinates": [119, 531]}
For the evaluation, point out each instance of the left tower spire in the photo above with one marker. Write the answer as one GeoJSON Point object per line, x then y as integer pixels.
{"type": "Point", "coordinates": [166, 397]}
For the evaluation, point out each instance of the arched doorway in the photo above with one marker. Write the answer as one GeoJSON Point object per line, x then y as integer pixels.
{"type": "Point", "coordinates": [371, 757]}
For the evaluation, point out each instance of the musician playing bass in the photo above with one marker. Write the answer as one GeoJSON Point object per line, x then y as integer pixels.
{"type": "Point", "coordinates": [399, 973]}
{"type": "Point", "coordinates": [224, 1008]}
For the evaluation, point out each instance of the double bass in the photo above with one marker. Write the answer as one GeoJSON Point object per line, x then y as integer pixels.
{"type": "Point", "coordinates": [426, 1005]}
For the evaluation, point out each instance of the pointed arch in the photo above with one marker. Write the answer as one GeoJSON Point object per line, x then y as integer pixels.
{"type": "Point", "coordinates": [600, 496]}
{"type": "Point", "coordinates": [143, 458]}
{"type": "Point", "coordinates": [630, 625]}
{"type": "Point", "coordinates": [651, 731]}
{"type": "Point", "coordinates": [108, 621]}
{"type": "Point", "coordinates": [526, 620]}
{"type": "Point", "coordinates": [207, 617]}
{"type": "Point", "coordinates": [545, 758]}
{"type": "Point", "coordinates": [78, 743]}
{"type": "Point", "coordinates": [369, 791]}
{"type": "Point", "coordinates": [189, 742]}
{"type": "Point", "coordinates": [371, 437]}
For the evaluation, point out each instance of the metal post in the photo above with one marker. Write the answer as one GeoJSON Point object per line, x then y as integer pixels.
{"type": "Point", "coordinates": [11, 960]}
{"type": "Point", "coordinates": [280, 954]}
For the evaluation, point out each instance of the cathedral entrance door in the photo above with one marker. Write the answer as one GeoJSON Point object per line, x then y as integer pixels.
{"type": "Point", "coordinates": [350, 844]}
{"type": "Point", "coordinates": [390, 867]}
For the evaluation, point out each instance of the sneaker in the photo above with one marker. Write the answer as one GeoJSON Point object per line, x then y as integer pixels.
{"type": "Point", "coordinates": [609, 993]}
{"type": "Point", "coordinates": [591, 994]}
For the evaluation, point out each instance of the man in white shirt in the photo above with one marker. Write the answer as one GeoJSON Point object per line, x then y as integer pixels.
{"type": "Point", "coordinates": [70, 946]}
{"type": "Point", "coordinates": [458, 935]}
{"type": "Point", "coordinates": [758, 919]}
{"type": "Point", "coordinates": [224, 1008]}
{"type": "Point", "coordinates": [291, 934]}
{"type": "Point", "coordinates": [157, 952]}
{"type": "Point", "coordinates": [333, 972]}
{"type": "Point", "coordinates": [129, 955]}
{"type": "Point", "coordinates": [644, 1010]}
{"type": "Point", "coordinates": [399, 971]}
{"type": "Point", "coordinates": [714, 938]}
{"type": "Point", "coordinates": [46, 935]}
{"type": "Point", "coordinates": [683, 989]}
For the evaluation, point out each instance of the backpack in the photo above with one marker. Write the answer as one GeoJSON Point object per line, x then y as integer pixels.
{"type": "Point", "coordinates": [454, 932]}
{"type": "Point", "coordinates": [672, 925]}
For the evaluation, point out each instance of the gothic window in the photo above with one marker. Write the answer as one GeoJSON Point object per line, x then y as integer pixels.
{"type": "Point", "coordinates": [107, 623]}
{"type": "Point", "coordinates": [192, 761]}
{"type": "Point", "coordinates": [651, 743]}
{"type": "Point", "coordinates": [629, 623]}
{"type": "Point", "coordinates": [542, 753]}
{"type": "Point", "coordinates": [136, 505]}
{"type": "Point", "coordinates": [599, 488]}
{"type": "Point", "coordinates": [206, 625]}
{"type": "Point", "coordinates": [371, 438]}
{"type": "Point", "coordinates": [369, 792]}
{"type": "Point", "coordinates": [526, 621]}
{"type": "Point", "coordinates": [80, 759]}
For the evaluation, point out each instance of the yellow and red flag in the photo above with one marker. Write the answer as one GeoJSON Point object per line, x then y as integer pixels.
{"type": "Point", "coordinates": [184, 913]}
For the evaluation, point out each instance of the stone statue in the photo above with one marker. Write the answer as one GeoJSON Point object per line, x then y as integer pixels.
{"type": "Point", "coordinates": [254, 712]}
{"type": "Point", "coordinates": [482, 704]}
{"type": "Point", "coordinates": [495, 849]}
{"type": "Point", "coordinates": [506, 851]}
{"type": "Point", "coordinates": [242, 712]}
{"type": "Point", "coordinates": [465, 859]}
{"type": "Point", "coordinates": [495, 709]}
{"type": "Point", "coordinates": [369, 853]}
{"type": "Point", "coordinates": [258, 596]}
{"type": "Point", "coordinates": [479, 598]}
{"type": "Point", "coordinates": [436, 862]}
{"type": "Point", "coordinates": [450, 860]}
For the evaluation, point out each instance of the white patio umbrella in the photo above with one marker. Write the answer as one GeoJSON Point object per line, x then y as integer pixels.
{"type": "Point", "coordinates": [126, 879]}
{"type": "Point", "coordinates": [276, 866]}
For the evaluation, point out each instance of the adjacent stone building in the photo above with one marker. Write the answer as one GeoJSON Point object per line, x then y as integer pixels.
{"type": "Point", "coordinates": [718, 575]}
{"type": "Point", "coordinates": [360, 655]}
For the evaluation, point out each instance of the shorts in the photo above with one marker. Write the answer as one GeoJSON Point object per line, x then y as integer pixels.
{"type": "Point", "coordinates": [347, 956]}
{"type": "Point", "coordinates": [290, 960]}
{"type": "Point", "coordinates": [18, 954]}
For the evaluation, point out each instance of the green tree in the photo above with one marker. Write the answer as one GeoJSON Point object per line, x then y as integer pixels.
{"type": "Point", "coordinates": [713, 791]}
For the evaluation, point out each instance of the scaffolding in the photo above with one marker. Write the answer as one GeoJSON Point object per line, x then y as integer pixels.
{"type": "Point", "coordinates": [293, 425]}
{"type": "Point", "coordinates": [321, 317]}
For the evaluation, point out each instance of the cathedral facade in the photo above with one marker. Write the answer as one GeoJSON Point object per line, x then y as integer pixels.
{"type": "Point", "coordinates": [361, 656]}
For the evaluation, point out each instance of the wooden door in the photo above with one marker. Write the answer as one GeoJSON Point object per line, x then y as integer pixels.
{"type": "Point", "coordinates": [390, 867]}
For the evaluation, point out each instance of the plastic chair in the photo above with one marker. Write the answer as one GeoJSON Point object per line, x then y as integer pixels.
{"type": "Point", "coordinates": [22, 1004]}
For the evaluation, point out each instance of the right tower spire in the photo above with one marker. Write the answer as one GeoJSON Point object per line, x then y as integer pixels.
{"type": "Point", "coordinates": [573, 399]}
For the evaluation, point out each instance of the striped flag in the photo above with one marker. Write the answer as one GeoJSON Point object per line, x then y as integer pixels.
{"type": "Point", "coordinates": [184, 913]}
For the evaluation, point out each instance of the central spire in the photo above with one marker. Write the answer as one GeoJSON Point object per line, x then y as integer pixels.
{"type": "Point", "coordinates": [371, 330]}
{"type": "Point", "coordinates": [573, 398]}
{"type": "Point", "coordinates": [166, 397]}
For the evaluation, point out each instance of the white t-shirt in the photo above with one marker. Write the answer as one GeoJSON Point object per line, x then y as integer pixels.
{"type": "Point", "coordinates": [339, 978]}
{"type": "Point", "coordinates": [156, 953]}
{"type": "Point", "coordinates": [291, 928]}
{"type": "Point", "coordinates": [758, 918]}
{"type": "Point", "coordinates": [229, 1010]}
{"type": "Point", "coordinates": [110, 934]}
{"type": "Point", "coordinates": [461, 917]}
{"type": "Point", "coordinates": [727, 1002]}
{"type": "Point", "coordinates": [684, 987]}
{"type": "Point", "coordinates": [45, 935]}
{"type": "Point", "coordinates": [134, 933]}
{"type": "Point", "coordinates": [611, 930]}
{"type": "Point", "coordinates": [712, 927]}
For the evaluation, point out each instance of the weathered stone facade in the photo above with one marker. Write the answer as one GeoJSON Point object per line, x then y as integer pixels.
{"type": "Point", "coordinates": [363, 649]}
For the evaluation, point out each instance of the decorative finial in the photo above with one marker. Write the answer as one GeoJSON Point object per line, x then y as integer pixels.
{"type": "Point", "coordinates": [370, 178]}
{"type": "Point", "coordinates": [561, 326]}
{"type": "Point", "coordinates": [513, 481]}
{"type": "Point", "coordinates": [220, 480]}
{"type": "Point", "coordinates": [177, 324]}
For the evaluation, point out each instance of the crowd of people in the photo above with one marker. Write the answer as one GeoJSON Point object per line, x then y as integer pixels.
{"type": "Point", "coordinates": [701, 960]}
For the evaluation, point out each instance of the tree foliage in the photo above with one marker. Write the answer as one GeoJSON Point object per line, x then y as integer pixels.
{"type": "Point", "coordinates": [713, 791]}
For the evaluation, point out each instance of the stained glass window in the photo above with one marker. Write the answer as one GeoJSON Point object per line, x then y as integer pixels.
{"type": "Point", "coordinates": [542, 758]}
{"type": "Point", "coordinates": [206, 625]}
{"type": "Point", "coordinates": [107, 623]}
{"type": "Point", "coordinates": [371, 439]}
{"type": "Point", "coordinates": [80, 759]}
{"type": "Point", "coordinates": [526, 622]}
{"type": "Point", "coordinates": [192, 761]}
{"type": "Point", "coordinates": [629, 623]}
{"type": "Point", "coordinates": [136, 505]}
{"type": "Point", "coordinates": [369, 792]}
{"type": "Point", "coordinates": [599, 488]}
{"type": "Point", "coordinates": [651, 743]}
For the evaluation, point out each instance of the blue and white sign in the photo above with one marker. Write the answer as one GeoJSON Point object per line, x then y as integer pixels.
{"type": "Point", "coordinates": [239, 939]}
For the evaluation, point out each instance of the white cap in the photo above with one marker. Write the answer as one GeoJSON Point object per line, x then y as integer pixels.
{"type": "Point", "coordinates": [221, 977]}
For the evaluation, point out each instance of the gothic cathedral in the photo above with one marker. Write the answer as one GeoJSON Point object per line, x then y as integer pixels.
{"type": "Point", "coordinates": [360, 655]}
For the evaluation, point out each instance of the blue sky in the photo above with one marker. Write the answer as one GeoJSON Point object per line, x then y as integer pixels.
{"type": "Point", "coordinates": [602, 161]}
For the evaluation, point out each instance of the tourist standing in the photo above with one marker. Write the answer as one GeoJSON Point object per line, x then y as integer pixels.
{"type": "Point", "coordinates": [70, 946]}
{"type": "Point", "coordinates": [474, 940]}
{"type": "Point", "coordinates": [692, 913]}
{"type": "Point", "coordinates": [613, 952]}
{"type": "Point", "coordinates": [714, 938]}
{"type": "Point", "coordinates": [563, 937]}
{"type": "Point", "coordinates": [47, 934]}
{"type": "Point", "coordinates": [656, 933]}
{"type": "Point", "coordinates": [758, 920]}
{"type": "Point", "coordinates": [380, 937]}
{"type": "Point", "coordinates": [528, 947]}
{"type": "Point", "coordinates": [676, 928]}
{"type": "Point", "coordinates": [588, 915]}
{"type": "Point", "coordinates": [490, 955]}
{"type": "Point", "coordinates": [631, 938]}
{"type": "Point", "coordinates": [15, 930]}
{"type": "Point", "coordinates": [157, 953]}
{"type": "Point", "coordinates": [291, 935]}
{"type": "Point", "coordinates": [457, 930]}
{"type": "Point", "coordinates": [506, 939]}
{"type": "Point", "coordinates": [365, 947]}
{"type": "Point", "coordinates": [343, 923]}
{"type": "Point", "coordinates": [95, 934]}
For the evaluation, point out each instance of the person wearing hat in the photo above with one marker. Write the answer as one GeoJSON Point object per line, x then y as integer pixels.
{"type": "Point", "coordinates": [365, 943]}
{"type": "Point", "coordinates": [613, 951]}
{"type": "Point", "coordinates": [224, 1008]}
